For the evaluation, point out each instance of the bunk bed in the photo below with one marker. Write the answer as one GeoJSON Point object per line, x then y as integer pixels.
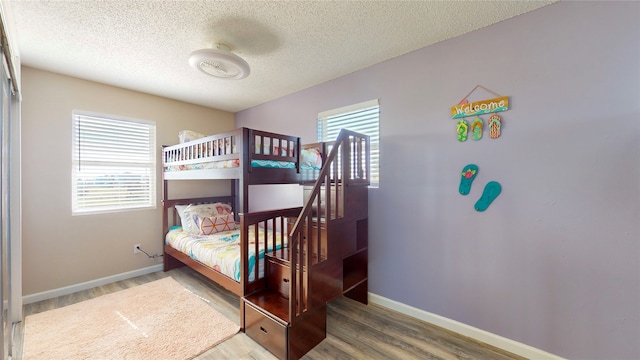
{"type": "Point", "coordinates": [287, 264]}
{"type": "Point", "coordinates": [246, 157]}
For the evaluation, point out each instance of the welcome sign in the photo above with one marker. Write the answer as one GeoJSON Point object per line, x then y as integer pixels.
{"type": "Point", "coordinates": [480, 107]}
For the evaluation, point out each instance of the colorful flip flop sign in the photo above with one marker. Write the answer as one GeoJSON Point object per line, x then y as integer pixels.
{"type": "Point", "coordinates": [465, 108]}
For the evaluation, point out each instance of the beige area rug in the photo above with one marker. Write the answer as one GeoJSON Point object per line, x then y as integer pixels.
{"type": "Point", "coordinates": [157, 320]}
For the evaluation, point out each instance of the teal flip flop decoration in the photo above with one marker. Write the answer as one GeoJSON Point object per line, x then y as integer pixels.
{"type": "Point", "coordinates": [469, 173]}
{"type": "Point", "coordinates": [490, 193]}
{"type": "Point", "coordinates": [476, 128]}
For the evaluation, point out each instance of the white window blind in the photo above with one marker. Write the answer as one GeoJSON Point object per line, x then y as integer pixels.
{"type": "Point", "coordinates": [363, 118]}
{"type": "Point", "coordinates": [114, 164]}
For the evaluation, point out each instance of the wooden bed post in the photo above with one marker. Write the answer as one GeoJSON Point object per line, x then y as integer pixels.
{"type": "Point", "coordinates": [239, 189]}
{"type": "Point", "coordinates": [236, 201]}
{"type": "Point", "coordinates": [243, 186]}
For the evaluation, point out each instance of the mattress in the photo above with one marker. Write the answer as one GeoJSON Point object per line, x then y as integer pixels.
{"type": "Point", "coordinates": [224, 164]}
{"type": "Point", "coordinates": [221, 251]}
{"type": "Point", "coordinates": [310, 160]}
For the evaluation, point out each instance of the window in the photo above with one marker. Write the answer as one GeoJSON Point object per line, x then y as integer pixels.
{"type": "Point", "coordinates": [114, 164]}
{"type": "Point", "coordinates": [363, 118]}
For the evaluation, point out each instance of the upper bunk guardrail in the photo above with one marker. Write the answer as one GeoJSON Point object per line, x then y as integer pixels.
{"type": "Point", "coordinates": [231, 145]}
{"type": "Point", "coordinates": [216, 147]}
{"type": "Point", "coordinates": [276, 147]}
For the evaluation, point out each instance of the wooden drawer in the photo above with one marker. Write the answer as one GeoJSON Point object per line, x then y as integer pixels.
{"type": "Point", "coordinates": [279, 278]}
{"type": "Point", "coordinates": [266, 331]}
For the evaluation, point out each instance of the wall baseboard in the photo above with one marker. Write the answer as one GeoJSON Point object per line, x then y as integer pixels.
{"type": "Point", "coordinates": [486, 337]}
{"type": "Point", "coordinates": [50, 294]}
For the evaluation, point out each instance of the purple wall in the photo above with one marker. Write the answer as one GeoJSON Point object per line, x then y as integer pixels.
{"type": "Point", "coordinates": [554, 261]}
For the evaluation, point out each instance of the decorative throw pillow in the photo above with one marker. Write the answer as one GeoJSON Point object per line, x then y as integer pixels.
{"type": "Point", "coordinates": [188, 135]}
{"type": "Point", "coordinates": [191, 214]}
{"type": "Point", "coordinates": [311, 158]}
{"type": "Point", "coordinates": [214, 224]}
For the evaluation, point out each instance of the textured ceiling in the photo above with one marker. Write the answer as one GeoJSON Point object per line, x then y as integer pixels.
{"type": "Point", "coordinates": [290, 45]}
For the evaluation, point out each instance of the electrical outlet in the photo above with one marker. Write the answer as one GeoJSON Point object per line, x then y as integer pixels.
{"type": "Point", "coordinates": [136, 249]}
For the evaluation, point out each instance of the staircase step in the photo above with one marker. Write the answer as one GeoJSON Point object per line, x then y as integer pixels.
{"type": "Point", "coordinates": [271, 303]}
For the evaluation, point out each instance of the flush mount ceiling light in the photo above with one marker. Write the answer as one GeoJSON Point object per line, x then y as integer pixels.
{"type": "Point", "coordinates": [220, 62]}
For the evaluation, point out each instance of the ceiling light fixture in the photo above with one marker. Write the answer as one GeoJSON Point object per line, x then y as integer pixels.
{"type": "Point", "coordinates": [220, 62]}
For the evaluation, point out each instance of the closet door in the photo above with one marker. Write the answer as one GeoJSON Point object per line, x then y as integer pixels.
{"type": "Point", "coordinates": [5, 289]}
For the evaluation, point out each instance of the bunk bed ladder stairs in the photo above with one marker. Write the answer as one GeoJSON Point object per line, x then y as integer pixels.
{"type": "Point", "coordinates": [326, 256]}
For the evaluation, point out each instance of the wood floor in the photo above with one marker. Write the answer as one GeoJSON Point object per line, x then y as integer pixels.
{"type": "Point", "coordinates": [355, 331]}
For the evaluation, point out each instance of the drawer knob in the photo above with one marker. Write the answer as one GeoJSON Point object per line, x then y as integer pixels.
{"type": "Point", "coordinates": [285, 280]}
{"type": "Point", "coordinates": [263, 330]}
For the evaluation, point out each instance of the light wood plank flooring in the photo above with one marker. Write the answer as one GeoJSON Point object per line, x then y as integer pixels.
{"type": "Point", "coordinates": [355, 331]}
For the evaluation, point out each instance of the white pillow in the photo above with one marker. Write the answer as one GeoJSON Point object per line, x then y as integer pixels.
{"type": "Point", "coordinates": [188, 135]}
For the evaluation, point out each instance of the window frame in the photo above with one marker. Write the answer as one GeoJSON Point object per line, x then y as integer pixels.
{"type": "Point", "coordinates": [143, 166]}
{"type": "Point", "coordinates": [326, 116]}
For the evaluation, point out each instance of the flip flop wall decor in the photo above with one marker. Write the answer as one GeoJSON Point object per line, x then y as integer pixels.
{"type": "Point", "coordinates": [469, 173]}
{"type": "Point", "coordinates": [490, 193]}
{"type": "Point", "coordinates": [495, 123]}
{"type": "Point", "coordinates": [476, 128]}
{"type": "Point", "coordinates": [462, 129]}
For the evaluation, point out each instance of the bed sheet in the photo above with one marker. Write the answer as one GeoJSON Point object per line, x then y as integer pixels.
{"type": "Point", "coordinates": [220, 251]}
{"type": "Point", "coordinates": [310, 160]}
{"type": "Point", "coordinates": [235, 163]}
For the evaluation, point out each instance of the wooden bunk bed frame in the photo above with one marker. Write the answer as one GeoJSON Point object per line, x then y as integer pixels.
{"type": "Point", "coordinates": [242, 145]}
{"type": "Point", "coordinates": [326, 250]}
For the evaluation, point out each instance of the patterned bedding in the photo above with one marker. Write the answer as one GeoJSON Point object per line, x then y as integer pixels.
{"type": "Point", "coordinates": [220, 251]}
{"type": "Point", "coordinates": [310, 159]}
{"type": "Point", "coordinates": [231, 164]}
